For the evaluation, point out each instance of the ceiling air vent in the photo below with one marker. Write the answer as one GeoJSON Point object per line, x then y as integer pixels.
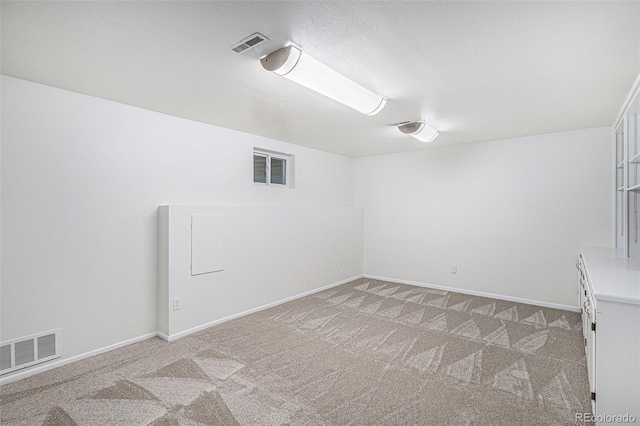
{"type": "Point", "coordinates": [248, 43]}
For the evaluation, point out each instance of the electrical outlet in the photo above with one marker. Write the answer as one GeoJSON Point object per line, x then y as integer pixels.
{"type": "Point", "coordinates": [454, 269]}
{"type": "Point", "coordinates": [340, 263]}
{"type": "Point", "coordinates": [177, 305]}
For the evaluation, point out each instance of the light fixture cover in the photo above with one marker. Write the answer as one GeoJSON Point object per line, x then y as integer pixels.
{"type": "Point", "coordinates": [291, 63]}
{"type": "Point", "coordinates": [419, 130]}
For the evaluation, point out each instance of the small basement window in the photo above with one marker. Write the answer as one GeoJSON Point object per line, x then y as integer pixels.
{"type": "Point", "coordinates": [272, 168]}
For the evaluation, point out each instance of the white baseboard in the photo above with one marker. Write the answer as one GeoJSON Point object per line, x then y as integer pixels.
{"type": "Point", "coordinates": [23, 374]}
{"type": "Point", "coordinates": [477, 293]}
{"type": "Point", "coordinates": [28, 372]}
{"type": "Point", "coordinates": [175, 336]}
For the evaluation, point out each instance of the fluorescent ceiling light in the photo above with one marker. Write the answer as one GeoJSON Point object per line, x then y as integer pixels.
{"type": "Point", "coordinates": [291, 63]}
{"type": "Point", "coordinates": [419, 130]}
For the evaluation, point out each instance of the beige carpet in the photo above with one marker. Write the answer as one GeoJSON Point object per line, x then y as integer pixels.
{"type": "Point", "coordinates": [365, 353]}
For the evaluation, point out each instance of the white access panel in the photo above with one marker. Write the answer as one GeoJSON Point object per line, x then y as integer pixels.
{"type": "Point", "coordinates": [207, 243]}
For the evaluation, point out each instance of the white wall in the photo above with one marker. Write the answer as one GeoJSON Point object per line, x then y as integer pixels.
{"type": "Point", "coordinates": [82, 179]}
{"type": "Point", "coordinates": [270, 253]}
{"type": "Point", "coordinates": [510, 214]}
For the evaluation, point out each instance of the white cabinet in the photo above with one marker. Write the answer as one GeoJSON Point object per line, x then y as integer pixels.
{"type": "Point", "coordinates": [627, 178]}
{"type": "Point", "coordinates": [588, 311]}
{"type": "Point", "coordinates": [610, 304]}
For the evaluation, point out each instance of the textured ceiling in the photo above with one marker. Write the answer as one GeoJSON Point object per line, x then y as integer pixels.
{"type": "Point", "coordinates": [473, 70]}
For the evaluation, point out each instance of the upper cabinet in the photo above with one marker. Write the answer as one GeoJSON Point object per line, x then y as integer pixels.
{"type": "Point", "coordinates": [627, 179]}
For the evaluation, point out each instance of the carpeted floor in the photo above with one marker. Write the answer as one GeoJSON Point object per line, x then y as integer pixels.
{"type": "Point", "coordinates": [366, 353]}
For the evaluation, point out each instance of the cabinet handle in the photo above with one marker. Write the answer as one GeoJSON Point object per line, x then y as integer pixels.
{"type": "Point", "coordinates": [586, 308]}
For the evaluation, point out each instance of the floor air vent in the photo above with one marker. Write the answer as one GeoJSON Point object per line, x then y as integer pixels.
{"type": "Point", "coordinates": [31, 350]}
{"type": "Point", "coordinates": [248, 43]}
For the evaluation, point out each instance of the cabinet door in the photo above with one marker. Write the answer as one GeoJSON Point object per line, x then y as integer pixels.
{"type": "Point", "coordinates": [591, 364]}
{"type": "Point", "coordinates": [582, 299]}
{"type": "Point", "coordinates": [633, 224]}
{"type": "Point", "coordinates": [207, 243]}
{"type": "Point", "coordinates": [588, 323]}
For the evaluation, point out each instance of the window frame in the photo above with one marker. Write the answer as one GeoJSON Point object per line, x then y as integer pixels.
{"type": "Point", "coordinates": [266, 165]}
{"type": "Point", "coordinates": [269, 174]}
{"type": "Point", "coordinates": [289, 167]}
